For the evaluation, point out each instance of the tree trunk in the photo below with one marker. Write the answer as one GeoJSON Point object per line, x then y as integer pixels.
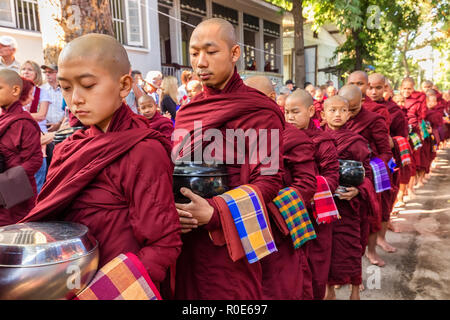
{"type": "Point", "coordinates": [403, 53]}
{"type": "Point", "coordinates": [62, 21]}
{"type": "Point", "coordinates": [299, 45]}
{"type": "Point", "coordinates": [358, 50]}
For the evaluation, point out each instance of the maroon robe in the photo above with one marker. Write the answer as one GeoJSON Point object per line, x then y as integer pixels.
{"type": "Point", "coordinates": [319, 249]}
{"type": "Point", "coordinates": [318, 106]}
{"type": "Point", "coordinates": [350, 233]}
{"type": "Point", "coordinates": [372, 127]}
{"type": "Point", "coordinates": [204, 270]}
{"type": "Point", "coordinates": [89, 182]}
{"type": "Point", "coordinates": [286, 273]}
{"type": "Point", "coordinates": [378, 107]}
{"type": "Point", "coordinates": [415, 111]}
{"type": "Point", "coordinates": [20, 145]}
{"type": "Point", "coordinates": [162, 124]}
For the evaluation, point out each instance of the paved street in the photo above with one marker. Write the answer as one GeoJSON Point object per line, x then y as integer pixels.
{"type": "Point", "coordinates": [419, 270]}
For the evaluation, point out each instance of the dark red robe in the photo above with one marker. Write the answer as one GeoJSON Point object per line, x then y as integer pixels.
{"type": "Point", "coordinates": [379, 108]}
{"type": "Point", "coordinates": [372, 127]}
{"type": "Point", "coordinates": [162, 124]}
{"type": "Point", "coordinates": [415, 111]}
{"type": "Point", "coordinates": [89, 182]}
{"type": "Point", "coordinates": [204, 270]}
{"type": "Point", "coordinates": [318, 105]}
{"type": "Point", "coordinates": [319, 249]}
{"type": "Point", "coordinates": [350, 233]}
{"type": "Point", "coordinates": [286, 273]}
{"type": "Point", "coordinates": [20, 145]}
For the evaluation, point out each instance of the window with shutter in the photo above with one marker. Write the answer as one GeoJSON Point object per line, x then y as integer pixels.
{"type": "Point", "coordinates": [134, 22]}
{"type": "Point", "coordinates": [7, 17]}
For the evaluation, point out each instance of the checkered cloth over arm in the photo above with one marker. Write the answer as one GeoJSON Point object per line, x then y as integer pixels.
{"type": "Point", "coordinates": [252, 226]}
{"type": "Point", "coordinates": [293, 210]}
{"type": "Point", "coordinates": [324, 208]}
{"type": "Point", "coordinates": [380, 175]}
{"type": "Point", "coordinates": [123, 278]}
{"type": "Point", "coordinates": [403, 145]}
{"type": "Point", "coordinates": [415, 139]}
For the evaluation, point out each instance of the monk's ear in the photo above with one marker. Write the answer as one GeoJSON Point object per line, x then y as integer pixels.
{"type": "Point", "coordinates": [16, 90]}
{"type": "Point", "coordinates": [322, 114]}
{"type": "Point", "coordinates": [311, 110]}
{"type": "Point", "coordinates": [235, 53]}
{"type": "Point", "coordinates": [273, 96]}
{"type": "Point", "coordinates": [126, 83]}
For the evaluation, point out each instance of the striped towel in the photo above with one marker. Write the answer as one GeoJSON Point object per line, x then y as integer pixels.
{"type": "Point", "coordinates": [123, 278]}
{"type": "Point", "coordinates": [247, 212]}
{"type": "Point", "coordinates": [424, 127]}
{"type": "Point", "coordinates": [403, 145]}
{"type": "Point", "coordinates": [415, 139]}
{"type": "Point", "coordinates": [380, 175]}
{"type": "Point", "coordinates": [291, 207]}
{"type": "Point", "coordinates": [324, 208]}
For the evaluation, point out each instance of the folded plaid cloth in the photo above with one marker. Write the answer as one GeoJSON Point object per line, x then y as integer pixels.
{"type": "Point", "coordinates": [403, 145]}
{"type": "Point", "coordinates": [392, 165]}
{"type": "Point", "coordinates": [415, 139]}
{"type": "Point", "coordinates": [380, 175]}
{"type": "Point", "coordinates": [424, 127]}
{"type": "Point", "coordinates": [291, 207]}
{"type": "Point", "coordinates": [324, 207]}
{"type": "Point", "coordinates": [252, 226]}
{"type": "Point", "coordinates": [123, 278]}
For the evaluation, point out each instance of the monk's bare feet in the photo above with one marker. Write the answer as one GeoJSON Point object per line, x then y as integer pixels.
{"type": "Point", "coordinates": [385, 246]}
{"type": "Point", "coordinates": [375, 259]}
{"type": "Point", "coordinates": [355, 293]}
{"type": "Point", "coordinates": [361, 287]}
{"type": "Point", "coordinates": [329, 293]}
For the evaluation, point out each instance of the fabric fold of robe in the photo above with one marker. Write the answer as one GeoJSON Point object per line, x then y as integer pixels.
{"type": "Point", "coordinates": [244, 216]}
{"type": "Point", "coordinates": [292, 208]}
{"type": "Point", "coordinates": [123, 278]}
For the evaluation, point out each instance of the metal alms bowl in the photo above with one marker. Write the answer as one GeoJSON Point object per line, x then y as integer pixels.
{"type": "Point", "coordinates": [206, 180]}
{"type": "Point", "coordinates": [351, 173]}
{"type": "Point", "coordinates": [46, 260]}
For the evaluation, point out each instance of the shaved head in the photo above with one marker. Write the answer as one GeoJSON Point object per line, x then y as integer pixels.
{"type": "Point", "coordinates": [260, 83]}
{"type": "Point", "coordinates": [353, 95]}
{"type": "Point", "coordinates": [408, 80]}
{"type": "Point", "coordinates": [11, 78]}
{"type": "Point", "coordinates": [334, 100]}
{"type": "Point", "coordinates": [377, 77]}
{"type": "Point", "coordinates": [104, 49]}
{"type": "Point", "coordinates": [146, 98]}
{"type": "Point", "coordinates": [222, 28]}
{"type": "Point", "coordinates": [360, 79]}
{"type": "Point", "coordinates": [301, 98]}
{"type": "Point", "coordinates": [358, 74]}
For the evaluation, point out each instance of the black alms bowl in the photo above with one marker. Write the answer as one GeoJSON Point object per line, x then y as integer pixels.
{"type": "Point", "coordinates": [351, 173]}
{"type": "Point", "coordinates": [63, 134]}
{"type": "Point", "coordinates": [206, 180]}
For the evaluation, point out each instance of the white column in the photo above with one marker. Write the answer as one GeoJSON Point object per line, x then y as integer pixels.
{"type": "Point", "coordinates": [175, 32]}
{"type": "Point", "coordinates": [240, 38]}
{"type": "Point", "coordinates": [260, 45]}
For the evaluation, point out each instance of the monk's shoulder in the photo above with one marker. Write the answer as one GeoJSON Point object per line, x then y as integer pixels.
{"type": "Point", "coordinates": [147, 155]}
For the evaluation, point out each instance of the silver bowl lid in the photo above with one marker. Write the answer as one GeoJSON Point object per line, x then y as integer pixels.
{"type": "Point", "coordinates": [43, 243]}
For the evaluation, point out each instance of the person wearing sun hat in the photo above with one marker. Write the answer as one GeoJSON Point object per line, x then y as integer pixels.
{"type": "Point", "coordinates": [8, 48]}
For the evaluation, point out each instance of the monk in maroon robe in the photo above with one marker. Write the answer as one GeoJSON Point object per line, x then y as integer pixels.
{"type": "Point", "coordinates": [19, 142]}
{"type": "Point", "coordinates": [347, 250]}
{"type": "Point", "coordinates": [327, 165]}
{"type": "Point", "coordinates": [286, 273]}
{"type": "Point", "coordinates": [147, 107]}
{"type": "Point", "coordinates": [319, 99]}
{"type": "Point", "coordinates": [372, 127]}
{"type": "Point", "coordinates": [375, 91]}
{"type": "Point", "coordinates": [116, 176]}
{"type": "Point", "coordinates": [435, 118]}
{"type": "Point", "coordinates": [415, 111]}
{"type": "Point", "coordinates": [205, 270]}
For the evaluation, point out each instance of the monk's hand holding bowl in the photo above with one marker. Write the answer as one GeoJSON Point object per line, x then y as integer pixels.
{"type": "Point", "coordinates": [349, 195]}
{"type": "Point", "coordinates": [196, 213]}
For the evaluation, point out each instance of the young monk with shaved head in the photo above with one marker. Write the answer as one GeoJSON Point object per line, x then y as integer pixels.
{"type": "Point", "coordinates": [19, 145]}
{"type": "Point", "coordinates": [286, 273]}
{"type": "Point", "coordinates": [415, 112]}
{"type": "Point", "coordinates": [147, 107]}
{"type": "Point", "coordinates": [103, 177]}
{"type": "Point", "coordinates": [347, 247]}
{"type": "Point", "coordinates": [327, 166]}
{"type": "Point", "coordinates": [373, 128]}
{"type": "Point", "coordinates": [262, 84]}
{"type": "Point", "coordinates": [213, 263]}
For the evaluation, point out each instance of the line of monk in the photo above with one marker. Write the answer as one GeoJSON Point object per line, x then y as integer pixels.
{"type": "Point", "coordinates": [294, 233]}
